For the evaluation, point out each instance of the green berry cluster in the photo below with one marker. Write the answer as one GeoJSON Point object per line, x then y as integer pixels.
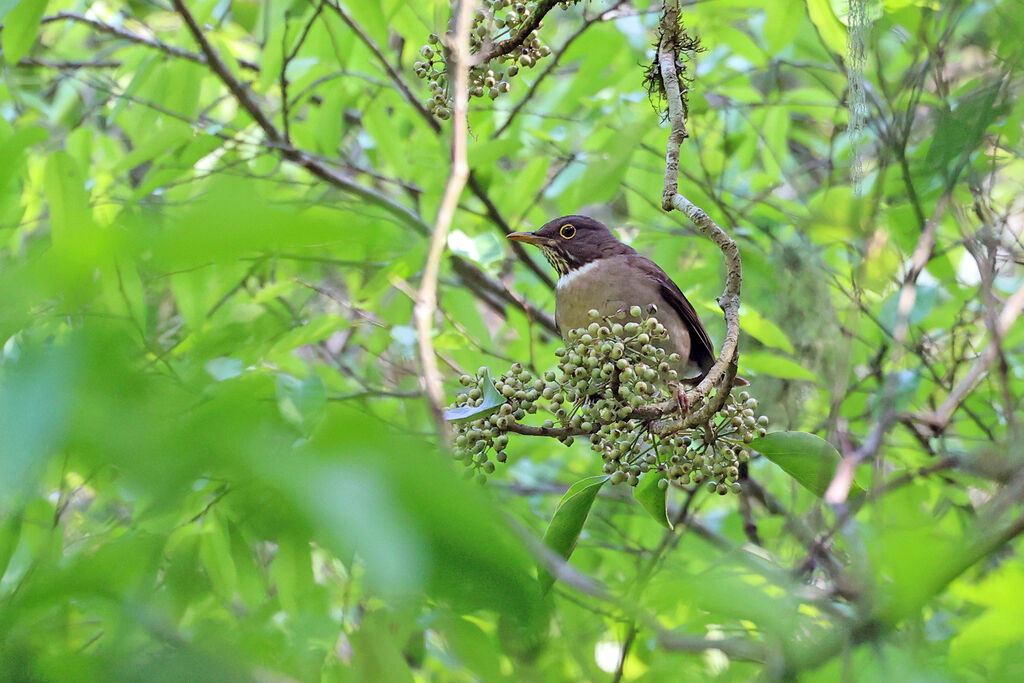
{"type": "Point", "coordinates": [714, 454]}
{"type": "Point", "coordinates": [496, 20]}
{"type": "Point", "coordinates": [477, 439]}
{"type": "Point", "coordinates": [607, 370]}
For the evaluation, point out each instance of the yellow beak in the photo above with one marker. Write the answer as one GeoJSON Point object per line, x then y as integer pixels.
{"type": "Point", "coordinates": [528, 238]}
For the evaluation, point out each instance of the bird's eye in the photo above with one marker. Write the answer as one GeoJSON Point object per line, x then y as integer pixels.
{"type": "Point", "coordinates": [567, 231]}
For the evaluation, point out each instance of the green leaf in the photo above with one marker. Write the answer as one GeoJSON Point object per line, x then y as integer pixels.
{"type": "Point", "coordinates": [6, 6]}
{"type": "Point", "coordinates": [566, 524]}
{"type": "Point", "coordinates": [223, 368]}
{"type": "Point", "coordinates": [215, 555]}
{"type": "Point", "coordinates": [763, 329]}
{"type": "Point", "coordinates": [315, 330]}
{"type": "Point", "coordinates": [491, 400]}
{"type": "Point", "coordinates": [36, 394]}
{"type": "Point", "coordinates": [776, 366]}
{"type": "Point", "coordinates": [831, 30]}
{"type": "Point", "coordinates": [960, 130]}
{"type": "Point", "coordinates": [10, 534]}
{"type": "Point", "coordinates": [302, 402]}
{"type": "Point", "coordinates": [21, 28]}
{"type": "Point", "coordinates": [70, 214]}
{"type": "Point", "coordinates": [809, 459]}
{"type": "Point", "coordinates": [653, 498]}
{"type": "Point", "coordinates": [12, 150]}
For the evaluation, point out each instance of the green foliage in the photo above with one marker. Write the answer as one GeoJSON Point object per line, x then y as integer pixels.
{"type": "Point", "coordinates": [216, 461]}
{"type": "Point", "coordinates": [809, 459]}
{"type": "Point", "coordinates": [566, 524]}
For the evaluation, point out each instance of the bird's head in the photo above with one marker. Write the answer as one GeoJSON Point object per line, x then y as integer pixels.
{"type": "Point", "coordinates": [573, 241]}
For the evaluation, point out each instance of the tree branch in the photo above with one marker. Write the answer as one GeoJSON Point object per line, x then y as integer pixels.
{"type": "Point", "coordinates": [725, 365]}
{"type": "Point", "coordinates": [426, 304]}
{"type": "Point", "coordinates": [474, 184]}
{"type": "Point", "coordinates": [240, 91]}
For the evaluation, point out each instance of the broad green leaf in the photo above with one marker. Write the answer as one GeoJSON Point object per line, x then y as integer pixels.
{"type": "Point", "coordinates": [782, 24]}
{"type": "Point", "coordinates": [831, 30]}
{"type": "Point", "coordinates": [492, 399]}
{"type": "Point", "coordinates": [20, 29]}
{"type": "Point", "coordinates": [70, 214]}
{"type": "Point", "coordinates": [292, 573]}
{"type": "Point", "coordinates": [777, 366]}
{"type": "Point", "coordinates": [315, 330]}
{"type": "Point", "coordinates": [764, 330]}
{"type": "Point", "coordinates": [809, 459]}
{"type": "Point", "coordinates": [215, 554]}
{"type": "Point", "coordinates": [653, 497]}
{"type": "Point", "coordinates": [566, 524]}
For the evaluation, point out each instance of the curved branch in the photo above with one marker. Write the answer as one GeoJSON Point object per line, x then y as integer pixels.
{"type": "Point", "coordinates": [671, 199]}
{"type": "Point", "coordinates": [426, 297]}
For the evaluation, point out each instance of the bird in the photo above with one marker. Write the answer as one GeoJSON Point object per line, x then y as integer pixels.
{"type": "Point", "coordinates": [598, 272]}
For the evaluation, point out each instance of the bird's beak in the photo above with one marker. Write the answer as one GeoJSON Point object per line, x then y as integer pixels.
{"type": "Point", "coordinates": [528, 237]}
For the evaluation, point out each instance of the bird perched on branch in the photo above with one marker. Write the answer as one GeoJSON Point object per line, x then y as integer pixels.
{"type": "Point", "coordinates": [598, 272]}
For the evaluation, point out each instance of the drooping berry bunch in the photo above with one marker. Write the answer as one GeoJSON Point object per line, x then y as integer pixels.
{"type": "Point", "coordinates": [607, 371]}
{"type": "Point", "coordinates": [495, 21]}
{"type": "Point", "coordinates": [713, 454]}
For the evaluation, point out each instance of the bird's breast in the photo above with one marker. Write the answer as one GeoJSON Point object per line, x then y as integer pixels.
{"type": "Point", "coordinates": [608, 286]}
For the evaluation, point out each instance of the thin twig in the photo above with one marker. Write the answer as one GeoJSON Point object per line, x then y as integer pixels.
{"type": "Point", "coordinates": [1012, 309]}
{"type": "Point", "coordinates": [426, 304]}
{"type": "Point", "coordinates": [131, 37]}
{"type": "Point", "coordinates": [839, 488]}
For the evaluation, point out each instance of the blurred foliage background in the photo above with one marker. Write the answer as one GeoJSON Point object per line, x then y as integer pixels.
{"type": "Point", "coordinates": [216, 462]}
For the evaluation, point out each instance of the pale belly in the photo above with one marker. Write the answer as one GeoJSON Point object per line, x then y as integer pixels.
{"type": "Point", "coordinates": [585, 289]}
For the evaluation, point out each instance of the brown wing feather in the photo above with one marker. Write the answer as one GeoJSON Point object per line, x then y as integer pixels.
{"type": "Point", "coordinates": [702, 350]}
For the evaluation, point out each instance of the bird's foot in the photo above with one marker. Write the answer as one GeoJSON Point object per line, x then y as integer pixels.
{"type": "Point", "coordinates": [682, 401]}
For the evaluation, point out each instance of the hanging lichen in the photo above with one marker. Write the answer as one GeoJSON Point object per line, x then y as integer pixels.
{"type": "Point", "coordinates": [857, 24]}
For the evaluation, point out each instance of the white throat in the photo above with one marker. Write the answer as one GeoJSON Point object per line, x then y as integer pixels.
{"type": "Point", "coordinates": [567, 279]}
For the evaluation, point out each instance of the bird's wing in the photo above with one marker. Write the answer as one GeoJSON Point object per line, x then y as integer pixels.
{"type": "Point", "coordinates": [702, 351]}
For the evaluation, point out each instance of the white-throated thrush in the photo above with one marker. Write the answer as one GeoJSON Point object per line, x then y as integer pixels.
{"type": "Point", "coordinates": [598, 272]}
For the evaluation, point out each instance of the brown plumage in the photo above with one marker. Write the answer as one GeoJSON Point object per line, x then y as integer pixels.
{"type": "Point", "coordinates": [597, 271]}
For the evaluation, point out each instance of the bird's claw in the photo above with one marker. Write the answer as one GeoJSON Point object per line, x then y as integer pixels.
{"type": "Point", "coordinates": [682, 401]}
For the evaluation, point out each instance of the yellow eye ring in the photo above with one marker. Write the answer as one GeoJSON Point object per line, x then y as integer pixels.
{"type": "Point", "coordinates": [567, 231]}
